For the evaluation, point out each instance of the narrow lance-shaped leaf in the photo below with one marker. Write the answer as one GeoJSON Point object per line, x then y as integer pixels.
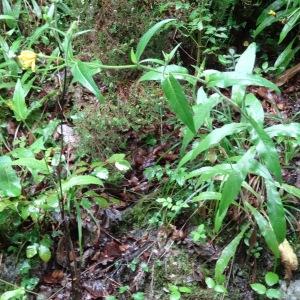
{"type": "Point", "coordinates": [290, 24]}
{"type": "Point", "coordinates": [265, 229]}
{"type": "Point", "coordinates": [147, 37]}
{"type": "Point", "coordinates": [82, 74]}
{"type": "Point", "coordinates": [201, 113]}
{"type": "Point", "coordinates": [227, 253]}
{"type": "Point", "coordinates": [266, 150]}
{"type": "Point", "coordinates": [18, 103]}
{"type": "Point", "coordinates": [276, 211]}
{"type": "Point", "coordinates": [178, 101]}
{"type": "Point", "coordinates": [233, 185]}
{"type": "Point", "coordinates": [212, 139]}
{"type": "Point", "coordinates": [245, 64]}
{"type": "Point", "coordinates": [226, 79]}
{"type": "Point", "coordinates": [80, 180]}
{"type": "Point", "coordinates": [10, 185]}
{"type": "Point", "coordinates": [290, 130]}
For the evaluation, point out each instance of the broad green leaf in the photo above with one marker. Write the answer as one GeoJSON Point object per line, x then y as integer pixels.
{"type": "Point", "coordinates": [33, 164]}
{"type": "Point", "coordinates": [44, 253]}
{"type": "Point", "coordinates": [80, 180]}
{"type": "Point", "coordinates": [175, 295]}
{"type": "Point", "coordinates": [226, 79]}
{"type": "Point", "coordinates": [276, 211]}
{"type": "Point", "coordinates": [210, 282]}
{"type": "Point", "coordinates": [178, 101]}
{"type": "Point", "coordinates": [213, 139]}
{"type": "Point", "coordinates": [82, 74]}
{"type": "Point", "coordinates": [258, 288]}
{"type": "Point", "coordinates": [291, 190]}
{"type": "Point", "coordinates": [219, 288]}
{"type": "Point", "coordinates": [245, 64]}
{"type": "Point", "coordinates": [18, 103]}
{"type": "Point", "coordinates": [274, 294]}
{"type": "Point", "coordinates": [271, 278]}
{"type": "Point", "coordinates": [275, 5]}
{"type": "Point", "coordinates": [290, 130]}
{"type": "Point", "coordinates": [160, 73]}
{"type": "Point", "coordinates": [233, 184]}
{"type": "Point", "coordinates": [147, 37]}
{"type": "Point", "coordinates": [14, 294]}
{"type": "Point", "coordinates": [10, 185]}
{"type": "Point", "coordinates": [254, 109]}
{"type": "Point", "coordinates": [265, 229]}
{"type": "Point", "coordinates": [201, 113]}
{"type": "Point", "coordinates": [31, 250]}
{"type": "Point", "coordinates": [123, 165]}
{"type": "Point", "coordinates": [293, 20]}
{"type": "Point", "coordinates": [226, 255]}
{"type": "Point", "coordinates": [266, 150]}
{"type": "Point", "coordinates": [101, 173]}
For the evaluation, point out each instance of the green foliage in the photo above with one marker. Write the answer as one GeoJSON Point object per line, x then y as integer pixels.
{"type": "Point", "coordinates": [271, 293]}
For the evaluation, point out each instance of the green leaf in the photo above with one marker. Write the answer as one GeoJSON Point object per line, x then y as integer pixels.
{"type": "Point", "coordinates": [101, 173]}
{"type": "Point", "coordinates": [84, 75]}
{"type": "Point", "coordinates": [147, 37]}
{"type": "Point", "coordinates": [219, 288]}
{"type": "Point", "coordinates": [226, 79]}
{"type": "Point", "coordinates": [160, 73]}
{"type": "Point", "coordinates": [258, 288]}
{"type": "Point", "coordinates": [138, 296]}
{"type": "Point", "coordinates": [207, 196]}
{"type": "Point", "coordinates": [271, 278]}
{"type": "Point", "coordinates": [31, 250]}
{"type": "Point", "coordinates": [80, 180]}
{"type": "Point", "coordinates": [18, 103]}
{"type": "Point", "coordinates": [123, 165]}
{"type": "Point", "coordinates": [274, 294]}
{"type": "Point", "coordinates": [213, 139]}
{"type": "Point", "coordinates": [175, 295]}
{"type": "Point", "coordinates": [178, 101]}
{"type": "Point", "coordinates": [210, 282]}
{"type": "Point", "coordinates": [10, 185]}
{"type": "Point", "coordinates": [14, 294]}
{"type": "Point", "coordinates": [226, 255]}
{"type": "Point", "coordinates": [33, 164]}
{"type": "Point", "coordinates": [276, 211]}
{"type": "Point", "coordinates": [289, 25]}
{"type": "Point", "coordinates": [285, 56]}
{"type": "Point", "coordinates": [245, 64]}
{"type": "Point", "coordinates": [265, 229]}
{"type": "Point", "coordinates": [254, 109]}
{"type": "Point", "coordinates": [233, 184]}
{"type": "Point", "coordinates": [201, 113]}
{"type": "Point", "coordinates": [185, 289]}
{"type": "Point", "coordinates": [7, 17]}
{"type": "Point", "coordinates": [290, 130]}
{"type": "Point", "coordinates": [44, 253]}
{"type": "Point", "coordinates": [266, 150]}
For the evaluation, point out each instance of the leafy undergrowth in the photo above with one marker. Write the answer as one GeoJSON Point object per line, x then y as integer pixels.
{"type": "Point", "coordinates": [182, 184]}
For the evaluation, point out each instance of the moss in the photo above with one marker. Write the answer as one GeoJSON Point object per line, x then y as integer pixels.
{"type": "Point", "coordinates": [105, 128]}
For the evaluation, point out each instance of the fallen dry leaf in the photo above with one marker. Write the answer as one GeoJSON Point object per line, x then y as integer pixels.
{"type": "Point", "coordinates": [54, 277]}
{"type": "Point", "coordinates": [288, 258]}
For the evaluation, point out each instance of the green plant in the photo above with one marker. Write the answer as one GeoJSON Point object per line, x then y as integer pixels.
{"type": "Point", "coordinates": [271, 279]}
{"type": "Point", "coordinates": [176, 291]}
{"type": "Point", "coordinates": [199, 235]}
{"type": "Point", "coordinates": [288, 14]}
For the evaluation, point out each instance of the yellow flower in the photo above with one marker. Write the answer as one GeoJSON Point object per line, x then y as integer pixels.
{"type": "Point", "coordinates": [27, 59]}
{"type": "Point", "coordinates": [272, 13]}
